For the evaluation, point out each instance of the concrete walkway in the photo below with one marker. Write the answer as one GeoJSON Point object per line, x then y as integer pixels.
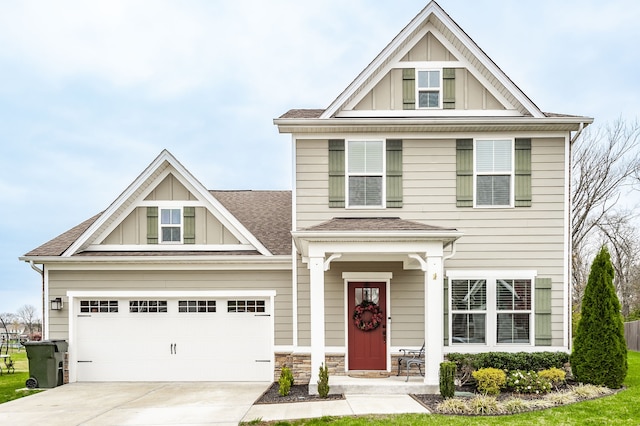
{"type": "Point", "coordinates": [352, 405]}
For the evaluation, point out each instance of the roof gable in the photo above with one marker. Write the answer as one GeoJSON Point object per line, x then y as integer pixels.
{"type": "Point", "coordinates": [460, 52]}
{"type": "Point", "coordinates": [165, 180]}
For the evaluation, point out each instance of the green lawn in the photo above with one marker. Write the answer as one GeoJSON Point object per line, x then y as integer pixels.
{"type": "Point", "coordinates": [9, 383]}
{"type": "Point", "coordinates": [622, 408]}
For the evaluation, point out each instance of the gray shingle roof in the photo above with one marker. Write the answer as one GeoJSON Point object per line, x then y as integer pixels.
{"type": "Point", "coordinates": [266, 214]}
{"type": "Point", "coordinates": [303, 113]}
{"type": "Point", "coordinates": [374, 224]}
{"type": "Point", "coordinates": [59, 244]}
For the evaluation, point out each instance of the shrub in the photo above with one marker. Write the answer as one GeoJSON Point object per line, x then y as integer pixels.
{"type": "Point", "coordinates": [599, 354]}
{"type": "Point", "coordinates": [483, 404]}
{"type": "Point", "coordinates": [323, 381]}
{"type": "Point", "coordinates": [447, 379]}
{"type": "Point", "coordinates": [467, 363]}
{"type": "Point", "coordinates": [452, 406]}
{"type": "Point", "coordinates": [527, 382]}
{"type": "Point", "coordinates": [555, 376]}
{"type": "Point", "coordinates": [561, 398]}
{"type": "Point", "coordinates": [285, 381]}
{"type": "Point", "coordinates": [490, 380]}
{"type": "Point", "coordinates": [515, 405]}
{"type": "Point", "coordinates": [464, 366]}
{"type": "Point", "coordinates": [590, 391]}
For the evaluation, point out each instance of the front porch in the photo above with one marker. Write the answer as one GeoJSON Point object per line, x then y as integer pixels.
{"type": "Point", "coordinates": [392, 385]}
{"type": "Point", "coordinates": [371, 253]}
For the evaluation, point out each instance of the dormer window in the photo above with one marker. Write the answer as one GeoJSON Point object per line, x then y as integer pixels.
{"type": "Point", "coordinates": [171, 226]}
{"type": "Point", "coordinates": [429, 86]}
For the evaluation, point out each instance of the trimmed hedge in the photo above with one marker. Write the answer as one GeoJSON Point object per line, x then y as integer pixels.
{"type": "Point", "coordinates": [508, 361]}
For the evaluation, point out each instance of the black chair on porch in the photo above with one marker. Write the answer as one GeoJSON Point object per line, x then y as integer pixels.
{"type": "Point", "coordinates": [411, 357]}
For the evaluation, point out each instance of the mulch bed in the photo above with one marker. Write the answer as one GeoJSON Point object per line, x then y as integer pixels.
{"type": "Point", "coordinates": [298, 393]}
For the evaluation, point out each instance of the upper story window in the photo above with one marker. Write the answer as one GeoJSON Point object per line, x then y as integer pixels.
{"type": "Point", "coordinates": [429, 86]}
{"type": "Point", "coordinates": [171, 225]}
{"type": "Point", "coordinates": [494, 173]}
{"type": "Point", "coordinates": [365, 173]}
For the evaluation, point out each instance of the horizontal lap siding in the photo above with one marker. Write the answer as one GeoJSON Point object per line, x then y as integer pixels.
{"type": "Point", "coordinates": [280, 281]}
{"type": "Point", "coordinates": [514, 238]}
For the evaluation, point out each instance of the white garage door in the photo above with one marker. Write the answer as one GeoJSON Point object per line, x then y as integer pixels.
{"type": "Point", "coordinates": [173, 339]}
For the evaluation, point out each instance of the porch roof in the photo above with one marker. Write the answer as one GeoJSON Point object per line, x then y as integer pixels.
{"type": "Point", "coordinates": [374, 224]}
{"type": "Point", "coordinates": [373, 235]}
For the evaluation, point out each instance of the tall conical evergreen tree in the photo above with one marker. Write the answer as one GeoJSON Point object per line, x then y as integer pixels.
{"type": "Point", "coordinates": [599, 350]}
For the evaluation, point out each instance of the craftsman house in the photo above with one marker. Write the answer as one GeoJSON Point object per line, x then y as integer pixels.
{"type": "Point", "coordinates": [430, 203]}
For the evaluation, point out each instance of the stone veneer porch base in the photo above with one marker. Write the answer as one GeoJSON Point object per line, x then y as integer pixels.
{"type": "Point", "coordinates": [300, 365]}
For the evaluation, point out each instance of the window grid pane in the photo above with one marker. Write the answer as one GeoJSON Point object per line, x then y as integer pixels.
{"type": "Point", "coordinates": [365, 190]}
{"type": "Point", "coordinates": [146, 306]}
{"type": "Point", "coordinates": [493, 190]}
{"type": "Point", "coordinates": [468, 328]}
{"type": "Point", "coordinates": [246, 306]}
{"type": "Point", "coordinates": [99, 306]}
{"type": "Point", "coordinates": [197, 306]}
{"type": "Point", "coordinates": [513, 328]}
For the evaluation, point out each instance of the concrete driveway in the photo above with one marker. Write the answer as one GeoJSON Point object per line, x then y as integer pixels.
{"type": "Point", "coordinates": [194, 403]}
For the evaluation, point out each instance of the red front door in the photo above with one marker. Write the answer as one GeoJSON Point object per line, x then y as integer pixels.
{"type": "Point", "coordinates": [368, 339]}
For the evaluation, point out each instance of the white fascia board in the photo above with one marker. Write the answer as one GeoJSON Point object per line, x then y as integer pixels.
{"type": "Point", "coordinates": [430, 113]}
{"type": "Point", "coordinates": [169, 247]}
{"type": "Point", "coordinates": [371, 242]}
{"type": "Point", "coordinates": [299, 127]}
{"type": "Point", "coordinates": [441, 135]}
{"type": "Point", "coordinates": [186, 178]}
{"type": "Point", "coordinates": [171, 293]}
{"type": "Point", "coordinates": [166, 263]}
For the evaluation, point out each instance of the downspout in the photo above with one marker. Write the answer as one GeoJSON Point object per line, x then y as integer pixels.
{"type": "Point", "coordinates": [41, 272]}
{"type": "Point", "coordinates": [569, 306]}
{"type": "Point", "coordinates": [453, 252]}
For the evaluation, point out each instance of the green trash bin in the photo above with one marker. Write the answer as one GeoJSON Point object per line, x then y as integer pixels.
{"type": "Point", "coordinates": [46, 361]}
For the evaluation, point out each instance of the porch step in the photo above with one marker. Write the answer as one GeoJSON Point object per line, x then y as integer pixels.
{"type": "Point", "coordinates": [392, 385]}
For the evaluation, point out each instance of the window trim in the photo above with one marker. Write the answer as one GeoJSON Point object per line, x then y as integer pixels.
{"type": "Point", "coordinates": [429, 89]}
{"type": "Point", "coordinates": [170, 225]}
{"type": "Point", "coordinates": [511, 174]}
{"type": "Point", "coordinates": [383, 174]}
{"type": "Point", "coordinates": [491, 319]}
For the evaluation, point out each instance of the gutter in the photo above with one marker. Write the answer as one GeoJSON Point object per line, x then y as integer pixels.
{"type": "Point", "coordinates": [578, 133]}
{"type": "Point", "coordinates": [41, 272]}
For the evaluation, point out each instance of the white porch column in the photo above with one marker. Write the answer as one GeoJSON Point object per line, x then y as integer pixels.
{"type": "Point", "coordinates": [316, 268]}
{"type": "Point", "coordinates": [433, 314]}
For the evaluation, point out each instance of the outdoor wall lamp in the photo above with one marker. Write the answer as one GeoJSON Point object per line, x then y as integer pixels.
{"type": "Point", "coordinates": [56, 304]}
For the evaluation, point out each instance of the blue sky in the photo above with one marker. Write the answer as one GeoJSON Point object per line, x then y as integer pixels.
{"type": "Point", "coordinates": [91, 92]}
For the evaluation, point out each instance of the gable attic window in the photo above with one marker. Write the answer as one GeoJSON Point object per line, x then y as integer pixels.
{"type": "Point", "coordinates": [171, 226]}
{"type": "Point", "coordinates": [429, 86]}
{"type": "Point", "coordinates": [494, 173]}
{"type": "Point", "coordinates": [365, 173]}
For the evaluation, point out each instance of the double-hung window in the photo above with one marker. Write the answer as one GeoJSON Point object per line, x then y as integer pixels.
{"type": "Point", "coordinates": [469, 311]}
{"type": "Point", "coordinates": [491, 308]}
{"type": "Point", "coordinates": [429, 89]}
{"type": "Point", "coordinates": [494, 173]}
{"type": "Point", "coordinates": [365, 173]}
{"type": "Point", "coordinates": [171, 225]}
{"type": "Point", "coordinates": [513, 303]}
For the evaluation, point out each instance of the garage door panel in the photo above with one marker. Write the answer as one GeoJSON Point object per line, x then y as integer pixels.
{"type": "Point", "coordinates": [175, 346]}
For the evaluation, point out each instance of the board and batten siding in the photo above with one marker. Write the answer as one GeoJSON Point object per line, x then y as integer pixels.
{"type": "Point", "coordinates": [62, 281]}
{"type": "Point", "coordinates": [526, 238]}
{"type": "Point", "coordinates": [133, 229]}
